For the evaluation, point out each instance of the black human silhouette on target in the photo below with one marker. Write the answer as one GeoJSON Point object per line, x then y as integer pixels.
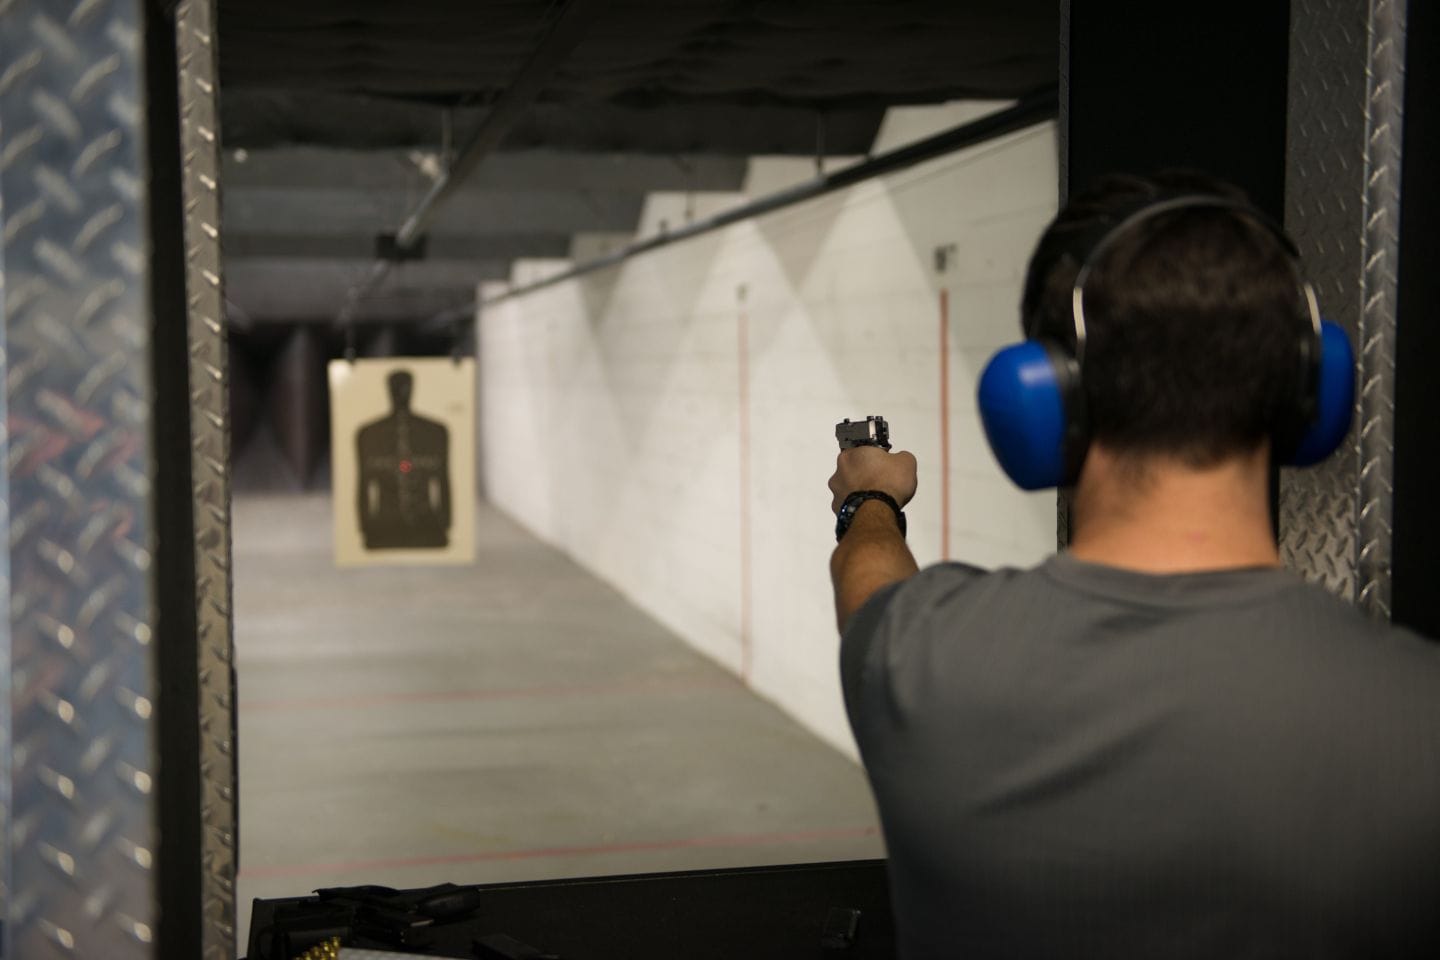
{"type": "Point", "coordinates": [404, 466]}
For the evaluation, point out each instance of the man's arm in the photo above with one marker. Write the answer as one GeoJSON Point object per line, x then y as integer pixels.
{"type": "Point", "coordinates": [872, 554]}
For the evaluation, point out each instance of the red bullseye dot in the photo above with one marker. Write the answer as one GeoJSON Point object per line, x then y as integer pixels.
{"type": "Point", "coordinates": [406, 466]}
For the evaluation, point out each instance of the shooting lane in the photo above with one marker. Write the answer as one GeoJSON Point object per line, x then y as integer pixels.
{"type": "Point", "coordinates": [117, 776]}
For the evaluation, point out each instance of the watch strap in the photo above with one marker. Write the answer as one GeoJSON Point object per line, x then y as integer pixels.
{"type": "Point", "coordinates": [852, 504]}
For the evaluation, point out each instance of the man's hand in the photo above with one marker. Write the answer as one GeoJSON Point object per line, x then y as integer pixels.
{"type": "Point", "coordinates": [872, 553]}
{"type": "Point", "coordinates": [871, 468]}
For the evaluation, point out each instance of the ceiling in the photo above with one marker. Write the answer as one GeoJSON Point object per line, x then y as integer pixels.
{"type": "Point", "coordinates": [337, 116]}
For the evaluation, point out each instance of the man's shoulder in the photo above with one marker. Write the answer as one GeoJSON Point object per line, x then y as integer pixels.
{"type": "Point", "coordinates": [953, 583]}
{"type": "Point", "coordinates": [937, 597]}
{"type": "Point", "coordinates": [952, 575]}
{"type": "Point", "coordinates": [892, 640]}
{"type": "Point", "coordinates": [1313, 613]}
{"type": "Point", "coordinates": [1370, 651]}
{"type": "Point", "coordinates": [1292, 617]}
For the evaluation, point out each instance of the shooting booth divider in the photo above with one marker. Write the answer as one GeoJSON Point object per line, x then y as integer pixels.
{"type": "Point", "coordinates": [118, 782]}
{"type": "Point", "coordinates": [83, 612]}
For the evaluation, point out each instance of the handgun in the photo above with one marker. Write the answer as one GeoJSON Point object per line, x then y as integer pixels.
{"type": "Point", "coordinates": [870, 432]}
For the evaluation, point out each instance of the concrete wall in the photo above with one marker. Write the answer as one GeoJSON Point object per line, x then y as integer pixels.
{"type": "Point", "coordinates": [669, 422]}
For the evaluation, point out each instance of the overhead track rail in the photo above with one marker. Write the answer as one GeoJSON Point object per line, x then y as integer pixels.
{"type": "Point", "coordinates": [570, 27]}
{"type": "Point", "coordinates": [1034, 108]}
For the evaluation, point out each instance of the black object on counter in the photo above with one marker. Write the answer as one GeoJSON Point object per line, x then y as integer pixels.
{"type": "Point", "coordinates": [797, 912]}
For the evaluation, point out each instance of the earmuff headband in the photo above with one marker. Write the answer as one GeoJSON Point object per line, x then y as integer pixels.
{"type": "Point", "coordinates": [1031, 400]}
{"type": "Point", "coordinates": [1157, 208]}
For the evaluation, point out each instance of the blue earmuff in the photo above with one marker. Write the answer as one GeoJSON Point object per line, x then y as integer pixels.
{"type": "Point", "coordinates": [1022, 406]}
{"type": "Point", "coordinates": [1334, 399]}
{"type": "Point", "coordinates": [1031, 402]}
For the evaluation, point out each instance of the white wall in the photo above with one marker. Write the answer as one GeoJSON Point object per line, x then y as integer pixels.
{"type": "Point", "coordinates": [612, 416]}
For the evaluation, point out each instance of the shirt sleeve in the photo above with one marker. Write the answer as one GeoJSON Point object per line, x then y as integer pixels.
{"type": "Point", "coordinates": [893, 618]}
{"type": "Point", "coordinates": [861, 636]}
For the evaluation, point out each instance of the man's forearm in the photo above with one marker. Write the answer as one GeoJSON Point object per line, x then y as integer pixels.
{"type": "Point", "coordinates": [872, 555]}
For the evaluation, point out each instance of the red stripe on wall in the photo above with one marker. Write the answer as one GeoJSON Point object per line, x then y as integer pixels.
{"type": "Point", "coordinates": [746, 596]}
{"type": "Point", "coordinates": [944, 423]}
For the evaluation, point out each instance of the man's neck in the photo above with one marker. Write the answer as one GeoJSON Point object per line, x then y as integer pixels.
{"type": "Point", "coordinates": [1161, 516]}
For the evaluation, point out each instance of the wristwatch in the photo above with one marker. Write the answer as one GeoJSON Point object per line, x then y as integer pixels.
{"type": "Point", "coordinates": [852, 504]}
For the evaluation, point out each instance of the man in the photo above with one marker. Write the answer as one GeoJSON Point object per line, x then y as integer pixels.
{"type": "Point", "coordinates": [1159, 743]}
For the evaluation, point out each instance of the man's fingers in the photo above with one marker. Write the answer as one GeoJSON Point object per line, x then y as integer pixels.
{"type": "Point", "coordinates": [912, 470]}
{"type": "Point", "coordinates": [872, 468]}
{"type": "Point", "coordinates": [835, 493]}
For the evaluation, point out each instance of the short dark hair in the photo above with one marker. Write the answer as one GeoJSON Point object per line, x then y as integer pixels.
{"type": "Point", "coordinates": [1194, 319]}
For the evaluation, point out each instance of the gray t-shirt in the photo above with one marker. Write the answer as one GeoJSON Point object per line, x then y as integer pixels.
{"type": "Point", "coordinates": [1078, 760]}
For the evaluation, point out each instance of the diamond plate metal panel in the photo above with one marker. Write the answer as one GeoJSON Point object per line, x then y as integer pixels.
{"type": "Point", "coordinates": [4, 625]}
{"type": "Point", "coordinates": [210, 471]}
{"type": "Point", "coordinates": [1342, 207]}
{"type": "Point", "coordinates": [1384, 130]}
{"type": "Point", "coordinates": [83, 818]}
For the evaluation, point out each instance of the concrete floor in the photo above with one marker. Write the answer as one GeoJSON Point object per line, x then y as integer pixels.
{"type": "Point", "coordinates": [513, 720]}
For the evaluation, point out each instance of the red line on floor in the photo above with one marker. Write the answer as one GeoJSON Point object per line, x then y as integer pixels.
{"type": "Point", "coordinates": [517, 693]}
{"type": "Point", "coordinates": [390, 863]}
{"type": "Point", "coordinates": [944, 423]}
{"type": "Point", "coordinates": [746, 596]}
